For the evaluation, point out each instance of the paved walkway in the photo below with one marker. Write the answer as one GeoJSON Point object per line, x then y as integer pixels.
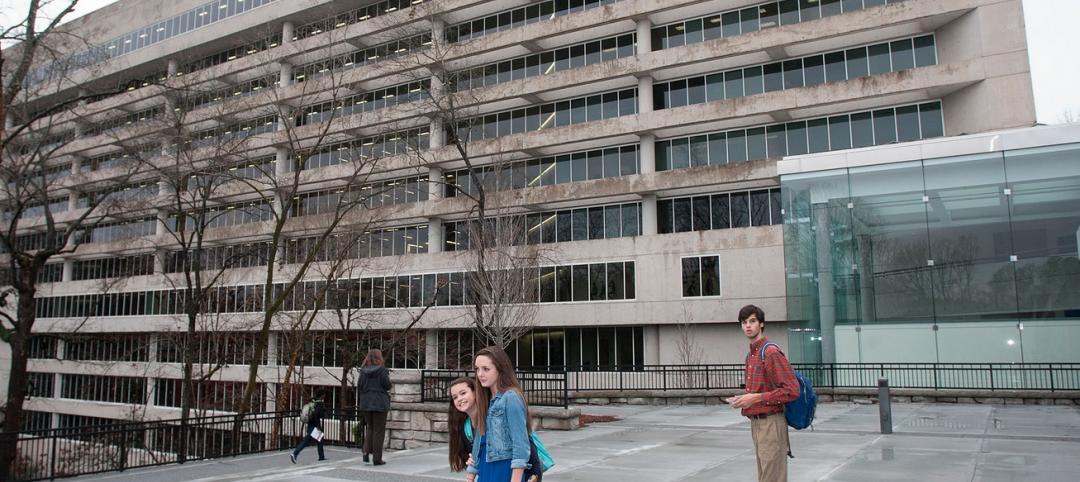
{"type": "Point", "coordinates": [932, 442]}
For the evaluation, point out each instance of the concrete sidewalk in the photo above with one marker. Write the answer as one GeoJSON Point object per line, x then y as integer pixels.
{"type": "Point", "coordinates": [932, 442]}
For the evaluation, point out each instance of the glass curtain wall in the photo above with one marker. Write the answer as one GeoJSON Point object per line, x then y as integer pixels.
{"type": "Point", "coordinates": [960, 259]}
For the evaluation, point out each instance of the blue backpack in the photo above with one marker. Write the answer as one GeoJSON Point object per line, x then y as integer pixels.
{"type": "Point", "coordinates": [799, 412]}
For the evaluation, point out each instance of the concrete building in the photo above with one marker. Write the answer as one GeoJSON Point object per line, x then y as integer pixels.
{"type": "Point", "coordinates": [646, 134]}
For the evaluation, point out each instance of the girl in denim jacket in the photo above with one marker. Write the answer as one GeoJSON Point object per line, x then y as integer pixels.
{"type": "Point", "coordinates": [502, 451]}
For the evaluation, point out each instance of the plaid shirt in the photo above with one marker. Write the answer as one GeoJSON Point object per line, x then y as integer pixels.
{"type": "Point", "coordinates": [773, 377]}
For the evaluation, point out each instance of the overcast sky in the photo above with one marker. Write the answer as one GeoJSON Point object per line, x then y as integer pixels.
{"type": "Point", "coordinates": [1053, 46]}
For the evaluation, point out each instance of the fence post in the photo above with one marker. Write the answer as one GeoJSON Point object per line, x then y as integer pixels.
{"type": "Point", "coordinates": [663, 376]}
{"type": "Point", "coordinates": [123, 449]}
{"type": "Point", "coordinates": [936, 387]}
{"type": "Point", "coordinates": [991, 365]}
{"type": "Point", "coordinates": [884, 405]}
{"type": "Point", "coordinates": [565, 389]}
{"type": "Point", "coordinates": [1051, 377]}
{"type": "Point", "coordinates": [52, 457]}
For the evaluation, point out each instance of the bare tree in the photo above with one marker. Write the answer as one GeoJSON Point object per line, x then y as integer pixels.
{"type": "Point", "coordinates": [502, 263]}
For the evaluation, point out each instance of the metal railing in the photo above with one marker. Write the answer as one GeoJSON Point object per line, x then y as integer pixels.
{"type": "Point", "coordinates": [66, 452]}
{"type": "Point", "coordinates": [931, 376]}
{"type": "Point", "coordinates": [542, 388]}
{"type": "Point", "coordinates": [554, 386]}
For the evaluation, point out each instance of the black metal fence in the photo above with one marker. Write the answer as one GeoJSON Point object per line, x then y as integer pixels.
{"type": "Point", "coordinates": [553, 387]}
{"type": "Point", "coordinates": [931, 376]}
{"type": "Point", "coordinates": [542, 388]}
{"type": "Point", "coordinates": [67, 452]}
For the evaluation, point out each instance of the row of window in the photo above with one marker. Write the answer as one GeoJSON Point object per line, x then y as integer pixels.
{"type": "Point", "coordinates": [701, 276]}
{"type": "Point", "coordinates": [362, 57]}
{"type": "Point", "coordinates": [547, 171]}
{"type": "Point", "coordinates": [373, 195]}
{"type": "Point", "coordinates": [242, 89]}
{"type": "Point", "coordinates": [235, 131]}
{"type": "Point", "coordinates": [352, 17]}
{"type": "Point", "coordinates": [113, 267]}
{"type": "Point", "coordinates": [370, 244]}
{"type": "Point", "coordinates": [366, 148]}
{"type": "Point", "coordinates": [103, 388]}
{"type": "Point", "coordinates": [209, 394]}
{"type": "Point", "coordinates": [118, 231]}
{"type": "Point", "coordinates": [519, 17]}
{"type": "Point", "coordinates": [124, 120]}
{"type": "Point", "coordinates": [364, 102]}
{"type": "Point", "coordinates": [751, 19]}
{"type": "Point", "coordinates": [214, 258]}
{"type": "Point", "coordinates": [231, 54]}
{"type": "Point", "coordinates": [40, 384]}
{"type": "Point", "coordinates": [585, 282]}
{"type": "Point", "coordinates": [198, 17]}
{"type": "Point", "coordinates": [543, 63]}
{"type": "Point", "coordinates": [224, 215]}
{"type": "Point", "coordinates": [860, 129]}
{"type": "Point", "coordinates": [401, 349]}
{"type": "Point", "coordinates": [589, 348]}
{"type": "Point", "coordinates": [212, 348]}
{"type": "Point", "coordinates": [719, 211]}
{"type": "Point", "coordinates": [548, 116]}
{"type": "Point", "coordinates": [257, 168]}
{"type": "Point", "coordinates": [598, 222]}
{"type": "Point", "coordinates": [789, 74]}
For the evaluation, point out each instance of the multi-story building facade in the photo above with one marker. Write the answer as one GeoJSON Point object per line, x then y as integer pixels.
{"type": "Point", "coordinates": [641, 140]}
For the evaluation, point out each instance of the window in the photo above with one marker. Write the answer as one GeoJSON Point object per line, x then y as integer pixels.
{"type": "Point", "coordinates": [701, 276]}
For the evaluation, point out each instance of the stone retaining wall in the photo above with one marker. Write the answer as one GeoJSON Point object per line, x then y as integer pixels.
{"type": "Point", "coordinates": [412, 423]}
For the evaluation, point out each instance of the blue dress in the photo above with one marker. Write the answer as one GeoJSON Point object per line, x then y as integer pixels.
{"type": "Point", "coordinates": [497, 471]}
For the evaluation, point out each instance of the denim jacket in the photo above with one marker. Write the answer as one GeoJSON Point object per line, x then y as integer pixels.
{"type": "Point", "coordinates": [506, 435]}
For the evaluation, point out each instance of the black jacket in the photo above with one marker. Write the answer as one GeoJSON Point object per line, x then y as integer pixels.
{"type": "Point", "coordinates": [374, 388]}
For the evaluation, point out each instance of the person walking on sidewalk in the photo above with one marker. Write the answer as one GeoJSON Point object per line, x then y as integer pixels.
{"type": "Point", "coordinates": [311, 415]}
{"type": "Point", "coordinates": [770, 384]}
{"type": "Point", "coordinates": [375, 403]}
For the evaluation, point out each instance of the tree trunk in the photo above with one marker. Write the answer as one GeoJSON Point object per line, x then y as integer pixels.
{"type": "Point", "coordinates": [17, 380]}
{"type": "Point", "coordinates": [187, 389]}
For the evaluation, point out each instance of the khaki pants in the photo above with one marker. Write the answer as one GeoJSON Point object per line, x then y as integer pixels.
{"type": "Point", "coordinates": [771, 444]}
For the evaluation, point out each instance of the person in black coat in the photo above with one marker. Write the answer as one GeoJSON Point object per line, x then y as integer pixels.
{"type": "Point", "coordinates": [374, 386]}
{"type": "Point", "coordinates": [314, 421]}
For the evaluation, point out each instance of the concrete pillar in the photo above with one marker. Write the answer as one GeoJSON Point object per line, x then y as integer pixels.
{"type": "Point", "coordinates": [152, 358]}
{"type": "Point", "coordinates": [285, 73]}
{"type": "Point", "coordinates": [281, 161]}
{"type": "Point", "coordinates": [288, 31]}
{"type": "Point", "coordinates": [163, 219]}
{"type": "Point", "coordinates": [73, 201]}
{"type": "Point", "coordinates": [645, 94]}
{"type": "Point", "coordinates": [826, 296]}
{"type": "Point", "coordinates": [172, 68]}
{"type": "Point", "coordinates": [431, 349]}
{"type": "Point", "coordinates": [435, 182]}
{"type": "Point", "coordinates": [69, 270]}
{"type": "Point", "coordinates": [647, 153]}
{"type": "Point", "coordinates": [648, 214]}
{"type": "Point", "coordinates": [76, 164]}
{"type": "Point", "coordinates": [644, 36]}
{"type": "Point", "coordinates": [438, 31]}
{"type": "Point", "coordinates": [652, 345]}
{"type": "Point", "coordinates": [159, 261]}
{"type": "Point", "coordinates": [437, 134]}
{"type": "Point", "coordinates": [435, 235]}
{"type": "Point", "coordinates": [9, 122]}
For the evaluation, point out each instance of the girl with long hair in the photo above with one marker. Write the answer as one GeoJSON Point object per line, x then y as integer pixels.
{"type": "Point", "coordinates": [374, 386]}
{"type": "Point", "coordinates": [468, 407]}
{"type": "Point", "coordinates": [502, 449]}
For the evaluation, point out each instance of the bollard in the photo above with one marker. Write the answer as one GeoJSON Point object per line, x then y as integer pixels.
{"type": "Point", "coordinates": [884, 405]}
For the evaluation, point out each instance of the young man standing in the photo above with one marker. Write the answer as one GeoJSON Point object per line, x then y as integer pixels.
{"type": "Point", "coordinates": [770, 384]}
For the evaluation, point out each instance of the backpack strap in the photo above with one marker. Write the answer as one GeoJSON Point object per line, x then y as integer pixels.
{"type": "Point", "coordinates": [767, 345]}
